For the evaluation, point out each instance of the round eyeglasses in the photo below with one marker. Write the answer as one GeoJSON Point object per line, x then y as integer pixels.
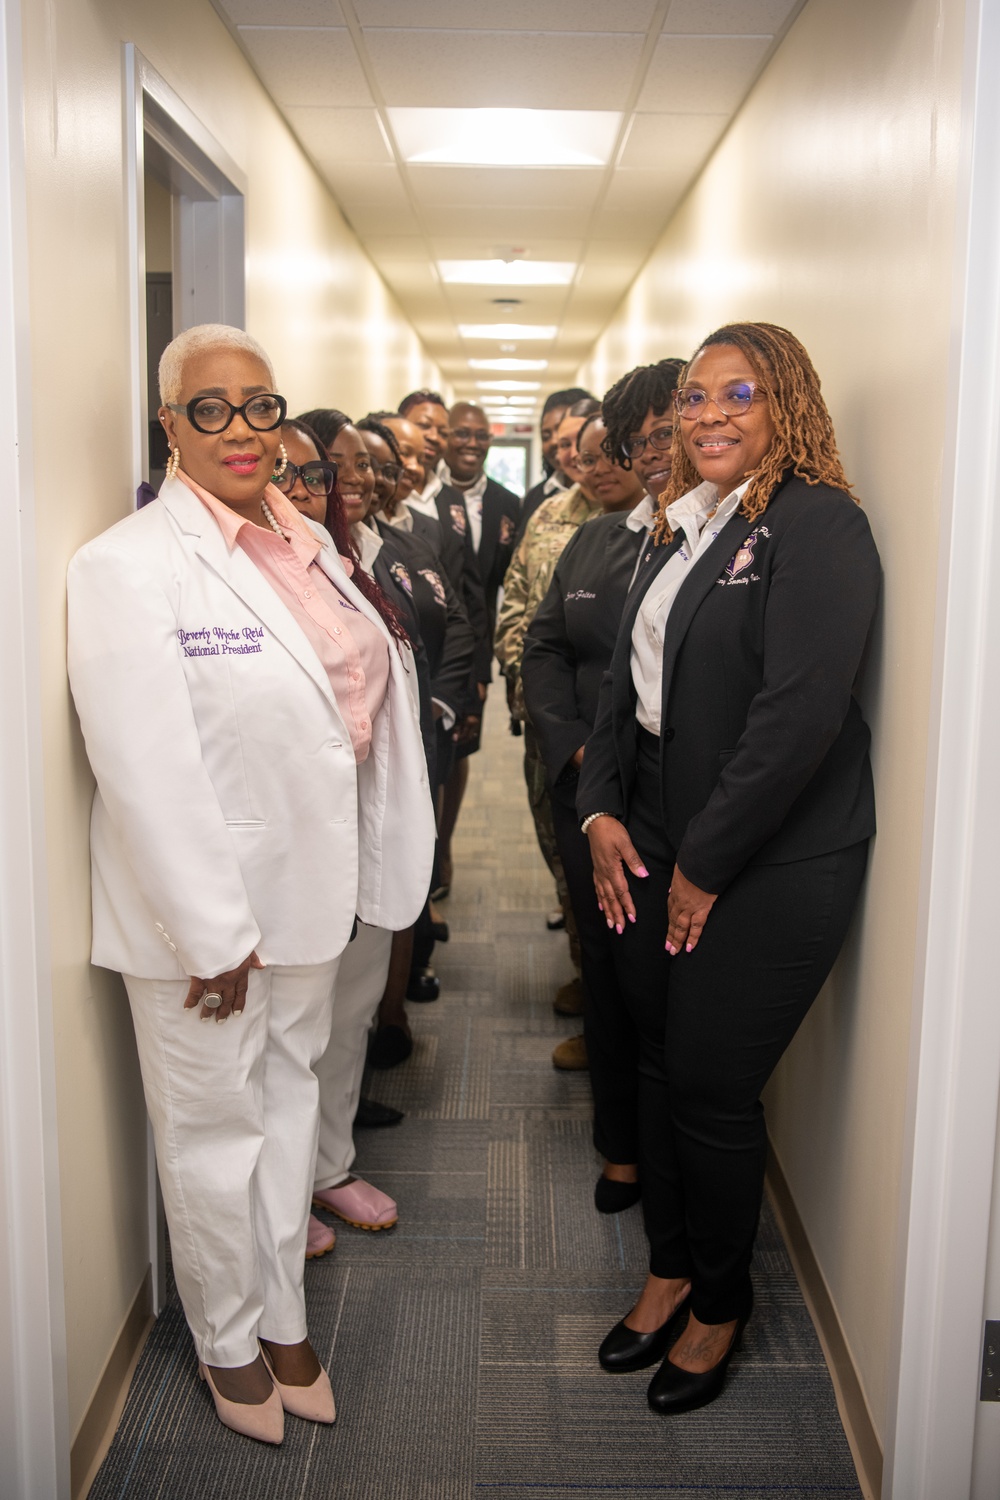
{"type": "Point", "coordinates": [587, 462]}
{"type": "Point", "coordinates": [319, 477]}
{"type": "Point", "coordinates": [732, 400]}
{"type": "Point", "coordinates": [390, 472]}
{"type": "Point", "coordinates": [213, 414]}
{"type": "Point", "coordinates": [660, 440]}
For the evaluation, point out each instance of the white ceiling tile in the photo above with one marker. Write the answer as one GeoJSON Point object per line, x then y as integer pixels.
{"type": "Point", "coordinates": [503, 187]}
{"type": "Point", "coordinates": [509, 15]}
{"type": "Point", "coordinates": [729, 17]}
{"type": "Point", "coordinates": [655, 140]}
{"type": "Point", "coordinates": [601, 279]}
{"type": "Point", "coordinates": [641, 229]}
{"type": "Point", "coordinates": [520, 226]}
{"type": "Point", "coordinates": [467, 248]}
{"type": "Point", "coordinates": [332, 136]}
{"type": "Point", "coordinates": [290, 12]}
{"type": "Point", "coordinates": [546, 305]}
{"type": "Point", "coordinates": [652, 193]}
{"type": "Point", "coordinates": [375, 218]}
{"type": "Point", "coordinates": [614, 253]}
{"type": "Point", "coordinates": [688, 71]}
{"type": "Point", "coordinates": [307, 66]}
{"type": "Point", "coordinates": [367, 183]}
{"type": "Point", "coordinates": [503, 70]}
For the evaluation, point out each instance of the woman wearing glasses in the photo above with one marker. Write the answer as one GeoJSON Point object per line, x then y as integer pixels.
{"type": "Point", "coordinates": [261, 781]}
{"type": "Point", "coordinates": [727, 795]}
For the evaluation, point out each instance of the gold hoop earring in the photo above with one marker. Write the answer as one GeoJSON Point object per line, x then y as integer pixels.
{"type": "Point", "coordinates": [284, 462]}
{"type": "Point", "coordinates": [173, 463]}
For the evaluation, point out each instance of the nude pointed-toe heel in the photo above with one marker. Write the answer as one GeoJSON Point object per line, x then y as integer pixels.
{"type": "Point", "coordinates": [264, 1421]}
{"type": "Point", "coordinates": [314, 1403]}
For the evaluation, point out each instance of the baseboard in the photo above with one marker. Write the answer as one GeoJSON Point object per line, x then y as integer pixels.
{"type": "Point", "coordinates": [866, 1449]}
{"type": "Point", "coordinates": [93, 1438]}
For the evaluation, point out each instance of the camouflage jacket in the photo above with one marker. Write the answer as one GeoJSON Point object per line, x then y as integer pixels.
{"type": "Point", "coordinates": [527, 579]}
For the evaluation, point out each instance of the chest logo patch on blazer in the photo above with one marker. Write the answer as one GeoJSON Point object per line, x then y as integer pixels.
{"type": "Point", "coordinates": [506, 530]}
{"type": "Point", "coordinates": [222, 640]}
{"type": "Point", "coordinates": [437, 587]}
{"type": "Point", "coordinates": [742, 560]}
{"type": "Point", "coordinates": [398, 571]}
{"type": "Point", "coordinates": [458, 519]}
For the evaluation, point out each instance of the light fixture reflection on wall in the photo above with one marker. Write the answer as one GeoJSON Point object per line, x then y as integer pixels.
{"type": "Point", "coordinates": [508, 364]}
{"type": "Point", "coordinates": [506, 137]}
{"type": "Point", "coordinates": [516, 331]}
{"type": "Point", "coordinates": [507, 272]}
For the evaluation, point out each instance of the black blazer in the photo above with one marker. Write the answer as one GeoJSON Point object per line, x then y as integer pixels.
{"type": "Point", "coordinates": [763, 750]}
{"type": "Point", "coordinates": [444, 630]}
{"type": "Point", "coordinates": [459, 558]}
{"type": "Point", "coordinates": [501, 509]}
{"type": "Point", "coordinates": [569, 644]}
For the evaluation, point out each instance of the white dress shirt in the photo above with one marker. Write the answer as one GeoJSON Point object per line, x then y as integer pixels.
{"type": "Point", "coordinates": [700, 517]}
{"type": "Point", "coordinates": [424, 500]}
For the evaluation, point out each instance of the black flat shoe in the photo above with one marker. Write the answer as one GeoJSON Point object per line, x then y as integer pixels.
{"type": "Point", "coordinates": [389, 1047]}
{"type": "Point", "coordinates": [439, 931]}
{"type": "Point", "coordinates": [674, 1390]}
{"type": "Point", "coordinates": [372, 1116]}
{"type": "Point", "coordinates": [624, 1349]}
{"type": "Point", "coordinates": [612, 1197]}
{"type": "Point", "coordinates": [423, 986]}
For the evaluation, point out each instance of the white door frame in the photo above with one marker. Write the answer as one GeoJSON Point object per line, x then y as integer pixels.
{"type": "Point", "coordinates": [955, 1068]}
{"type": "Point", "coordinates": [209, 287]}
{"type": "Point", "coordinates": [34, 1415]}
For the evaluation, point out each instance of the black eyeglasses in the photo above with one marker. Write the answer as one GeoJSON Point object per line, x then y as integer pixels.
{"type": "Point", "coordinates": [732, 400]}
{"type": "Point", "coordinates": [214, 414]}
{"type": "Point", "coordinates": [660, 440]}
{"type": "Point", "coordinates": [390, 472]}
{"type": "Point", "coordinates": [471, 435]}
{"type": "Point", "coordinates": [318, 477]}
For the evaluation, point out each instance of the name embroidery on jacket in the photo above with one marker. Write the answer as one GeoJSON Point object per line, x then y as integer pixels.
{"type": "Point", "coordinates": [222, 640]}
{"type": "Point", "coordinates": [579, 594]}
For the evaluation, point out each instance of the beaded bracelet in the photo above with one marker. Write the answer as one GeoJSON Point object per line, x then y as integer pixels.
{"type": "Point", "coordinates": [593, 819]}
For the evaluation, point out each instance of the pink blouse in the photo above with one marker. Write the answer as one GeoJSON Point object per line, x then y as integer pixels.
{"type": "Point", "coordinates": [353, 650]}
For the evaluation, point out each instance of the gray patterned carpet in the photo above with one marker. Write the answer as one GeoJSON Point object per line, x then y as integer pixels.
{"type": "Point", "coordinates": [462, 1344]}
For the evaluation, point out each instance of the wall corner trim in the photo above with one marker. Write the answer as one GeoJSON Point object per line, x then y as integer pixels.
{"type": "Point", "coordinates": [93, 1438]}
{"type": "Point", "coordinates": [866, 1450]}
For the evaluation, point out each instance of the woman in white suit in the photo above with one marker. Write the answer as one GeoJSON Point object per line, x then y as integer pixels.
{"type": "Point", "coordinates": [260, 784]}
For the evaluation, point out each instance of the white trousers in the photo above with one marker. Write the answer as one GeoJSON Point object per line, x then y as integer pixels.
{"type": "Point", "coordinates": [364, 966]}
{"type": "Point", "coordinates": [235, 1114]}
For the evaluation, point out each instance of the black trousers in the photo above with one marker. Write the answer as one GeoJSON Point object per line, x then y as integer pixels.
{"type": "Point", "coordinates": [612, 1040]}
{"type": "Point", "coordinates": [712, 1026]}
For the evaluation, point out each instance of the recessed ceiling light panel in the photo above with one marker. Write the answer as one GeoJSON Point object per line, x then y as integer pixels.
{"type": "Point", "coordinates": [508, 385]}
{"type": "Point", "coordinates": [507, 272]}
{"type": "Point", "coordinates": [515, 331]}
{"type": "Point", "coordinates": [508, 364]}
{"type": "Point", "coordinates": [506, 137]}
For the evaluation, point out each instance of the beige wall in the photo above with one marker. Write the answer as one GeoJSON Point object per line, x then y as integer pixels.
{"type": "Point", "coordinates": [335, 336]}
{"type": "Point", "coordinates": [828, 208]}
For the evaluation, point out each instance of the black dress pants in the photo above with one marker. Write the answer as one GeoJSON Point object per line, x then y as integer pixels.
{"type": "Point", "coordinates": [712, 1026]}
{"type": "Point", "coordinates": [612, 1041]}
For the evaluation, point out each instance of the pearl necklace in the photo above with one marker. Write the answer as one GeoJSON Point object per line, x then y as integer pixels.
{"type": "Point", "coordinates": [269, 518]}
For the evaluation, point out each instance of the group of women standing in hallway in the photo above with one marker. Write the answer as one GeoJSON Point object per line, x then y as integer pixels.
{"type": "Point", "coordinates": [279, 668]}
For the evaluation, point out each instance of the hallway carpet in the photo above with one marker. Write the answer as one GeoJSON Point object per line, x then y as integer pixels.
{"type": "Point", "coordinates": [462, 1344]}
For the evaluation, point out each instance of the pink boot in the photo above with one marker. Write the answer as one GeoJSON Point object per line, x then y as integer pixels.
{"type": "Point", "coordinates": [358, 1203]}
{"type": "Point", "coordinates": [320, 1238]}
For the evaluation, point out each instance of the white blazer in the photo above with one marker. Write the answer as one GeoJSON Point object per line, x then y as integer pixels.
{"type": "Point", "coordinates": [230, 813]}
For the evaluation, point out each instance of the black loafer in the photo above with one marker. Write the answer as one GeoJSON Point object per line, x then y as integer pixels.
{"type": "Point", "coordinates": [423, 986]}
{"type": "Point", "coordinates": [439, 932]}
{"type": "Point", "coordinates": [612, 1197]}
{"type": "Point", "coordinates": [389, 1047]}
{"type": "Point", "coordinates": [624, 1349]}
{"type": "Point", "coordinates": [673, 1390]}
{"type": "Point", "coordinates": [372, 1116]}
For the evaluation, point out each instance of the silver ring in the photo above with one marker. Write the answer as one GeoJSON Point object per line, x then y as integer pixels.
{"type": "Point", "coordinates": [212, 999]}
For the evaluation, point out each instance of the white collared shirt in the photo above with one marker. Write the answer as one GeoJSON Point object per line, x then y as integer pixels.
{"type": "Point", "coordinates": [690, 514]}
{"type": "Point", "coordinates": [424, 501]}
{"type": "Point", "coordinates": [473, 497]}
{"type": "Point", "coordinates": [402, 518]}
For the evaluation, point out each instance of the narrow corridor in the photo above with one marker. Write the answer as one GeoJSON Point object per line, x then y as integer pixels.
{"type": "Point", "coordinates": [462, 1344]}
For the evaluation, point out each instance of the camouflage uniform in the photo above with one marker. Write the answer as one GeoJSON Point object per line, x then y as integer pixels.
{"type": "Point", "coordinates": [524, 587]}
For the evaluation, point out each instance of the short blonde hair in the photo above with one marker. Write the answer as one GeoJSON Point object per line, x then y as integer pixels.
{"type": "Point", "coordinates": [195, 341]}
